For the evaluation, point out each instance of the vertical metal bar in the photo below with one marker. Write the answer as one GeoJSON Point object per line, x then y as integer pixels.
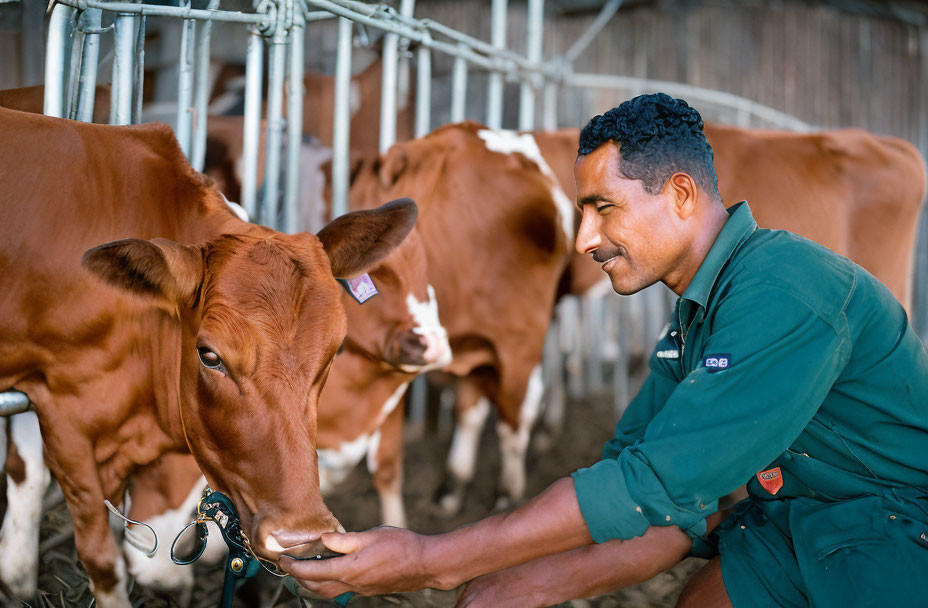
{"type": "Point", "coordinates": [201, 94]}
{"type": "Point", "coordinates": [534, 25]}
{"type": "Point", "coordinates": [251, 136]}
{"type": "Point", "coordinates": [424, 92]}
{"type": "Point", "coordinates": [55, 52]}
{"type": "Point", "coordinates": [388, 92]}
{"type": "Point", "coordinates": [342, 119]}
{"type": "Point", "coordinates": [549, 118]}
{"type": "Point", "coordinates": [458, 89]}
{"type": "Point", "coordinates": [185, 84]}
{"type": "Point", "coordinates": [418, 404]}
{"type": "Point", "coordinates": [407, 8]}
{"type": "Point", "coordinates": [90, 56]}
{"type": "Point", "coordinates": [73, 74]}
{"type": "Point", "coordinates": [124, 34]}
{"type": "Point", "coordinates": [593, 312]}
{"type": "Point", "coordinates": [495, 85]}
{"type": "Point", "coordinates": [277, 64]}
{"type": "Point", "coordinates": [294, 125]}
{"type": "Point", "coordinates": [139, 78]}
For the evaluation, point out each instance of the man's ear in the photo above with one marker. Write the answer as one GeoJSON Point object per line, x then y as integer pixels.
{"type": "Point", "coordinates": [356, 242]}
{"type": "Point", "coordinates": [159, 268]}
{"type": "Point", "coordinates": [682, 187]}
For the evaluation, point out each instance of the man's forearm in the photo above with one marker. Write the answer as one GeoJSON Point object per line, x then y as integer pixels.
{"type": "Point", "coordinates": [591, 570]}
{"type": "Point", "coordinates": [549, 523]}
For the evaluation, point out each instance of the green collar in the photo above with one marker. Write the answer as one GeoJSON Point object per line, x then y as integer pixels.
{"type": "Point", "coordinates": [738, 227]}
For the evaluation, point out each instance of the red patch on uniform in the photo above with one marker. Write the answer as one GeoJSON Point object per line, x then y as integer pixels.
{"type": "Point", "coordinates": [771, 480]}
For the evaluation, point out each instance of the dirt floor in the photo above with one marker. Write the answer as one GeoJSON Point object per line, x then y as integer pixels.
{"type": "Point", "coordinates": [589, 423]}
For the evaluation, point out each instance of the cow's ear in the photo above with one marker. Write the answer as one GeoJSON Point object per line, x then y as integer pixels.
{"type": "Point", "coordinates": [357, 241]}
{"type": "Point", "coordinates": [159, 268]}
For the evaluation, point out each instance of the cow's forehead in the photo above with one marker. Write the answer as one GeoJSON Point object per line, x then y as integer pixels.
{"type": "Point", "coordinates": [279, 279]}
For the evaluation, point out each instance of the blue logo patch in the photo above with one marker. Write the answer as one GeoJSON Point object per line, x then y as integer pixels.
{"type": "Point", "coordinates": [717, 363]}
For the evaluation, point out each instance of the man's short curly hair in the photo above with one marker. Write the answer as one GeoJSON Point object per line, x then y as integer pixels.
{"type": "Point", "coordinates": [657, 137]}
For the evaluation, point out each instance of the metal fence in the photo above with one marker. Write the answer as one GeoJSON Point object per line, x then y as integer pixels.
{"type": "Point", "coordinates": [277, 27]}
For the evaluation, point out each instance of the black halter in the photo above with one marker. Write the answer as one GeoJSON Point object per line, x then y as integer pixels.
{"type": "Point", "coordinates": [242, 562]}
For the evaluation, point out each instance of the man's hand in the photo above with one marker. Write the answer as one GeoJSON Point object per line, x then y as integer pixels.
{"type": "Point", "coordinates": [381, 560]}
{"type": "Point", "coordinates": [387, 560]}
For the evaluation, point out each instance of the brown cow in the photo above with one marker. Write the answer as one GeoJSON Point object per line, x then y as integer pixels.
{"type": "Point", "coordinates": [856, 193]}
{"type": "Point", "coordinates": [218, 340]}
{"type": "Point", "coordinates": [391, 338]}
{"type": "Point", "coordinates": [32, 99]}
{"type": "Point", "coordinates": [496, 227]}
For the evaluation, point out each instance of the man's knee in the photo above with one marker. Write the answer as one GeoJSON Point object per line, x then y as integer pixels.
{"type": "Point", "coordinates": [706, 589]}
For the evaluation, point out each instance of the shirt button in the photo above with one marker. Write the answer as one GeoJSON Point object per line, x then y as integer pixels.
{"type": "Point", "coordinates": [892, 517]}
{"type": "Point", "coordinates": [744, 527]}
{"type": "Point", "coordinates": [702, 506]}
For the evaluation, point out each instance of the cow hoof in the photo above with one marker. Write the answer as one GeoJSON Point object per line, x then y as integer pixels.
{"type": "Point", "coordinates": [503, 503]}
{"type": "Point", "coordinates": [450, 496]}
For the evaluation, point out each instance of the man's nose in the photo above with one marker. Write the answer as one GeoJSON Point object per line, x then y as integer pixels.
{"type": "Point", "coordinates": [588, 234]}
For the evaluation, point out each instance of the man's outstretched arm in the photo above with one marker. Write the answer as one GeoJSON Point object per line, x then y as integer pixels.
{"type": "Point", "coordinates": [386, 560]}
{"type": "Point", "coordinates": [583, 572]}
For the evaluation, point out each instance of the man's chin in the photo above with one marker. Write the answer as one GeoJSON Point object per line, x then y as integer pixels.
{"type": "Point", "coordinates": [625, 285]}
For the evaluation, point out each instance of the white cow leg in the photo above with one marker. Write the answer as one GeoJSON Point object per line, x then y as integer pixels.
{"type": "Point", "coordinates": [514, 444]}
{"type": "Point", "coordinates": [462, 458]}
{"type": "Point", "coordinates": [118, 596]}
{"type": "Point", "coordinates": [26, 482]}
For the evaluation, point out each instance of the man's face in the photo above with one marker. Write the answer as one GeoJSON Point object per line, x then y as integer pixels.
{"type": "Point", "coordinates": [633, 233]}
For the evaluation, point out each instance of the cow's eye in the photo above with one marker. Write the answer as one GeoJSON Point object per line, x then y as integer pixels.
{"type": "Point", "coordinates": [210, 359]}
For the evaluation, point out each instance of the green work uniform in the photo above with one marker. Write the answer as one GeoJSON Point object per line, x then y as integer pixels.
{"type": "Point", "coordinates": [791, 369]}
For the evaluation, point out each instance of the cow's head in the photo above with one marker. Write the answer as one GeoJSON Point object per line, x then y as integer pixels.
{"type": "Point", "coordinates": [400, 326]}
{"type": "Point", "coordinates": [261, 320]}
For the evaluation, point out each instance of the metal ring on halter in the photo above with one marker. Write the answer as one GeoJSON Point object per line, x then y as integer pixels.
{"type": "Point", "coordinates": [202, 533]}
{"type": "Point", "coordinates": [131, 536]}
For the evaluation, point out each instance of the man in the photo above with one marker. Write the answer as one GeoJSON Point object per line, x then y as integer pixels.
{"type": "Point", "coordinates": [786, 367]}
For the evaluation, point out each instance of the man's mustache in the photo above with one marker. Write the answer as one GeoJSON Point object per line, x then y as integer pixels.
{"type": "Point", "coordinates": [602, 255]}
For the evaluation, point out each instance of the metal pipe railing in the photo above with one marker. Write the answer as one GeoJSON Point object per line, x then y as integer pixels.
{"type": "Point", "coordinates": [90, 56]}
{"type": "Point", "coordinates": [124, 47]}
{"type": "Point", "coordinates": [138, 78]}
{"type": "Point", "coordinates": [605, 14]}
{"type": "Point", "coordinates": [534, 24]}
{"type": "Point", "coordinates": [388, 91]}
{"type": "Point", "coordinates": [342, 119]}
{"type": "Point", "coordinates": [55, 51]}
{"type": "Point", "coordinates": [690, 93]}
{"type": "Point", "coordinates": [495, 84]}
{"type": "Point", "coordinates": [277, 63]}
{"type": "Point", "coordinates": [201, 93]}
{"type": "Point", "coordinates": [252, 128]}
{"type": "Point", "coordinates": [424, 92]}
{"type": "Point", "coordinates": [295, 93]}
{"type": "Point", "coordinates": [259, 19]}
{"type": "Point", "coordinates": [185, 85]}
{"type": "Point", "coordinates": [458, 89]}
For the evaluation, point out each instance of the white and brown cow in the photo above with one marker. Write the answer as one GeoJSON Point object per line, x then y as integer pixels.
{"type": "Point", "coordinates": [195, 331]}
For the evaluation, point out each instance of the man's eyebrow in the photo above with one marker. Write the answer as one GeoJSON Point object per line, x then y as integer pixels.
{"type": "Point", "coordinates": [592, 199]}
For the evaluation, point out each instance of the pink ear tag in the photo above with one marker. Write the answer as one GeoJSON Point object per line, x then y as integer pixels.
{"type": "Point", "coordinates": [361, 288]}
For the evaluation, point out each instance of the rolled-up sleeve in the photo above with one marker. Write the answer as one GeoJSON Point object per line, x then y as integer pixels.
{"type": "Point", "coordinates": [718, 428]}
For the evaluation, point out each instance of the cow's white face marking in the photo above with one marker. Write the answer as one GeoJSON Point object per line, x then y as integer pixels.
{"type": "Point", "coordinates": [427, 324]}
{"type": "Point", "coordinates": [514, 442]}
{"type": "Point", "coordinates": [159, 572]}
{"type": "Point", "coordinates": [511, 142]}
{"type": "Point", "coordinates": [19, 534]}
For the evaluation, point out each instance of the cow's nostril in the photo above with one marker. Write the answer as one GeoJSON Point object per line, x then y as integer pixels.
{"type": "Point", "coordinates": [411, 349]}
